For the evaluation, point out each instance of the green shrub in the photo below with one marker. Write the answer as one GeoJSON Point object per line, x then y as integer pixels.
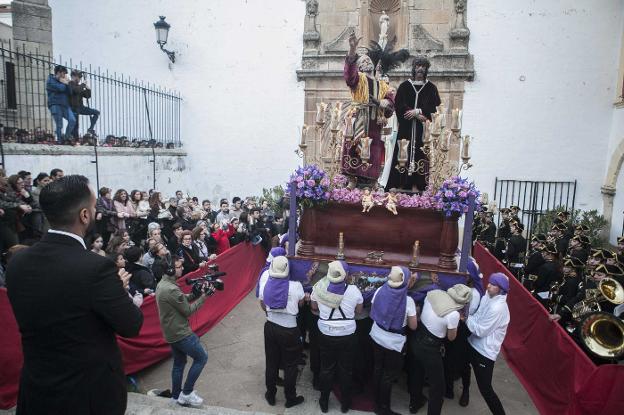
{"type": "Point", "coordinates": [591, 218]}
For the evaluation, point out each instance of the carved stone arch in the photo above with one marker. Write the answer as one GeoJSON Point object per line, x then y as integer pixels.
{"type": "Point", "coordinates": [608, 188]}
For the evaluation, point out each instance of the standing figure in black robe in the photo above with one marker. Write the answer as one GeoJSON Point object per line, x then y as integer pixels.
{"type": "Point", "coordinates": [415, 101]}
{"type": "Point", "coordinates": [516, 247]}
{"type": "Point", "coordinates": [550, 272]}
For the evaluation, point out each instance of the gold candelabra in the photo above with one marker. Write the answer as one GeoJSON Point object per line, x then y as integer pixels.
{"type": "Point", "coordinates": [438, 138]}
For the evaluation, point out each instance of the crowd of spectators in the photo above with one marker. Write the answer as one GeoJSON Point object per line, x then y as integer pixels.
{"type": "Point", "coordinates": [141, 231]}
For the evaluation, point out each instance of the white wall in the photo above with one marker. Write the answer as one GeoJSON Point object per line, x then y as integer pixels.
{"type": "Point", "coordinates": [118, 168]}
{"type": "Point", "coordinates": [554, 125]}
{"type": "Point", "coordinates": [235, 68]}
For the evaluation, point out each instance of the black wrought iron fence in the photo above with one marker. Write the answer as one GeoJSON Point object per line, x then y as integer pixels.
{"type": "Point", "coordinates": [128, 108]}
{"type": "Point", "coordinates": [534, 198]}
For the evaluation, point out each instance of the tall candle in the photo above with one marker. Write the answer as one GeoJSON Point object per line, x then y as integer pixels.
{"type": "Point", "coordinates": [454, 118]}
{"type": "Point", "coordinates": [304, 132]}
{"type": "Point", "coordinates": [448, 139]}
{"type": "Point", "coordinates": [459, 119]}
{"type": "Point", "coordinates": [426, 131]}
{"type": "Point", "coordinates": [335, 116]}
{"type": "Point", "coordinates": [466, 142]}
{"type": "Point", "coordinates": [435, 130]}
{"type": "Point", "coordinates": [320, 112]}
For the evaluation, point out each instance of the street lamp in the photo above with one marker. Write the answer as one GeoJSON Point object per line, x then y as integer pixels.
{"type": "Point", "coordinates": [162, 32]}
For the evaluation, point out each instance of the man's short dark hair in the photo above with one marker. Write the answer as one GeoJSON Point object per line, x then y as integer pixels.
{"type": "Point", "coordinates": [104, 191]}
{"type": "Point", "coordinates": [206, 201]}
{"type": "Point", "coordinates": [133, 254]}
{"type": "Point", "coordinates": [176, 226]}
{"type": "Point", "coordinates": [76, 72]}
{"type": "Point", "coordinates": [54, 172]}
{"type": "Point", "coordinates": [223, 201]}
{"type": "Point", "coordinates": [62, 199]}
{"type": "Point", "coordinates": [236, 199]}
{"type": "Point", "coordinates": [23, 174]}
{"type": "Point", "coordinates": [252, 210]}
{"type": "Point", "coordinates": [59, 69]}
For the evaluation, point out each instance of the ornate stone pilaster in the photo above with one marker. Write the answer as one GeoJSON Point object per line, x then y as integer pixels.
{"type": "Point", "coordinates": [460, 33]}
{"type": "Point", "coordinates": [311, 36]}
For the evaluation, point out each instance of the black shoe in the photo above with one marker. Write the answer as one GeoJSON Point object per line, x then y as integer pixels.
{"type": "Point", "coordinates": [279, 381]}
{"type": "Point", "coordinates": [449, 393]}
{"type": "Point", "coordinates": [345, 406]}
{"type": "Point", "coordinates": [464, 399]}
{"type": "Point", "coordinates": [294, 402]}
{"type": "Point", "coordinates": [324, 404]}
{"type": "Point", "coordinates": [415, 405]}
{"type": "Point", "coordinates": [269, 398]}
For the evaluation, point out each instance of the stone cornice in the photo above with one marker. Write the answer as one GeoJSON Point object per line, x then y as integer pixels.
{"type": "Point", "coordinates": [54, 150]}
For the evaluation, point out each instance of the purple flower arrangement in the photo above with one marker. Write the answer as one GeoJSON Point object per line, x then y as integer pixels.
{"type": "Point", "coordinates": [313, 187]}
{"type": "Point", "coordinates": [311, 184]}
{"type": "Point", "coordinates": [453, 195]}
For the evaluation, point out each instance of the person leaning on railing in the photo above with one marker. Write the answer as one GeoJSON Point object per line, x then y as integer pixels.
{"type": "Point", "coordinates": [58, 102]}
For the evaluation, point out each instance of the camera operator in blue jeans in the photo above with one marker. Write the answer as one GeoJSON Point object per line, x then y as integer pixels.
{"type": "Point", "coordinates": [174, 309]}
{"type": "Point", "coordinates": [58, 89]}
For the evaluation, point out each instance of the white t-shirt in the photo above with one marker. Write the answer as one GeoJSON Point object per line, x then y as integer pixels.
{"type": "Point", "coordinates": [387, 339]}
{"type": "Point", "coordinates": [352, 297]}
{"type": "Point", "coordinates": [438, 325]}
{"type": "Point", "coordinates": [286, 317]}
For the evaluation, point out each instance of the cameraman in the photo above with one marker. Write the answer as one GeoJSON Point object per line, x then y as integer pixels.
{"type": "Point", "coordinates": [174, 309]}
{"type": "Point", "coordinates": [78, 92]}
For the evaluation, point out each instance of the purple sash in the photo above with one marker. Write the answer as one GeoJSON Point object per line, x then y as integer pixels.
{"type": "Point", "coordinates": [276, 293]}
{"type": "Point", "coordinates": [388, 310]}
{"type": "Point", "coordinates": [337, 288]}
{"type": "Point", "coordinates": [275, 252]}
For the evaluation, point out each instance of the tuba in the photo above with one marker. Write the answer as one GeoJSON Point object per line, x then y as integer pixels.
{"type": "Point", "coordinates": [608, 289]}
{"type": "Point", "coordinates": [602, 334]}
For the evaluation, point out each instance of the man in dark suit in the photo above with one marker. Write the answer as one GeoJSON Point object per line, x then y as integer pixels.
{"type": "Point", "coordinates": [69, 304]}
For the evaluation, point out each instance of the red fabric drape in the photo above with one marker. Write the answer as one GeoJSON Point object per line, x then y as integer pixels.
{"type": "Point", "coordinates": [242, 264]}
{"type": "Point", "coordinates": [557, 374]}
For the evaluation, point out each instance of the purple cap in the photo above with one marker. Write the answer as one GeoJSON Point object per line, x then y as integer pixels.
{"type": "Point", "coordinates": [501, 281]}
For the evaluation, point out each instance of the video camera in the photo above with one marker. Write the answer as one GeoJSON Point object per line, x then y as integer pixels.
{"type": "Point", "coordinates": [209, 283]}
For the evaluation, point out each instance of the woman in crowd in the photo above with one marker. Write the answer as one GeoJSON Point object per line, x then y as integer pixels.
{"type": "Point", "coordinates": [155, 232]}
{"type": "Point", "coordinates": [124, 208]}
{"type": "Point", "coordinates": [97, 244]}
{"type": "Point", "coordinates": [190, 253]}
{"type": "Point", "coordinates": [119, 260]}
{"type": "Point", "coordinates": [106, 216]}
{"type": "Point", "coordinates": [139, 223]}
{"type": "Point", "coordinates": [41, 181]}
{"type": "Point", "coordinates": [142, 279]}
{"type": "Point", "coordinates": [199, 235]}
{"type": "Point", "coordinates": [221, 234]}
{"type": "Point", "coordinates": [174, 242]}
{"type": "Point", "coordinates": [162, 261]}
{"type": "Point", "coordinates": [116, 245]}
{"type": "Point", "coordinates": [29, 224]}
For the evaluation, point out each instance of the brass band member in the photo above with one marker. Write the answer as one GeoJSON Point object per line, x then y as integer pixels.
{"type": "Point", "coordinates": [620, 244]}
{"type": "Point", "coordinates": [487, 231]}
{"type": "Point", "coordinates": [535, 258]}
{"type": "Point", "coordinates": [578, 247]}
{"type": "Point", "coordinates": [548, 273]}
{"type": "Point", "coordinates": [516, 247]}
{"type": "Point", "coordinates": [567, 291]}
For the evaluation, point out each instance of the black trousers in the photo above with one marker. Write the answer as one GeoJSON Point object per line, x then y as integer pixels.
{"type": "Point", "coordinates": [315, 339]}
{"type": "Point", "coordinates": [337, 359]}
{"type": "Point", "coordinates": [363, 370]}
{"type": "Point", "coordinates": [281, 346]}
{"type": "Point", "coordinates": [483, 369]}
{"type": "Point", "coordinates": [456, 359]}
{"type": "Point", "coordinates": [388, 365]}
{"type": "Point", "coordinates": [425, 360]}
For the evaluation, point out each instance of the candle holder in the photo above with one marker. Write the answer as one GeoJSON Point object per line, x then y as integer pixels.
{"type": "Point", "coordinates": [340, 254]}
{"type": "Point", "coordinates": [415, 256]}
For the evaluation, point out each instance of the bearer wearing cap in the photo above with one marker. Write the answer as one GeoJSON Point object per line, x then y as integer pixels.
{"type": "Point", "coordinates": [489, 327]}
{"type": "Point", "coordinates": [336, 302]}
{"type": "Point", "coordinates": [392, 310]}
{"type": "Point", "coordinates": [281, 299]}
{"type": "Point", "coordinates": [439, 320]}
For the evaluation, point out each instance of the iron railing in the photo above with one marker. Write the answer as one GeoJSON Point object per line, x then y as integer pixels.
{"type": "Point", "coordinates": [128, 108]}
{"type": "Point", "coordinates": [534, 198]}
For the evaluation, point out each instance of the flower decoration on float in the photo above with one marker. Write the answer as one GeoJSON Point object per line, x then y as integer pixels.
{"type": "Point", "coordinates": [454, 194]}
{"type": "Point", "coordinates": [312, 185]}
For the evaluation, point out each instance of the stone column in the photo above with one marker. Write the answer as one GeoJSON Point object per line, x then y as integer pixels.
{"type": "Point", "coordinates": [608, 194]}
{"type": "Point", "coordinates": [32, 25]}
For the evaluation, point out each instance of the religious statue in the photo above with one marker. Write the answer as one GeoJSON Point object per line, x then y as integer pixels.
{"type": "Point", "coordinates": [312, 7]}
{"type": "Point", "coordinates": [391, 201]}
{"type": "Point", "coordinates": [367, 200]}
{"type": "Point", "coordinates": [373, 102]}
{"type": "Point", "coordinates": [416, 99]}
{"type": "Point", "coordinates": [384, 25]}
